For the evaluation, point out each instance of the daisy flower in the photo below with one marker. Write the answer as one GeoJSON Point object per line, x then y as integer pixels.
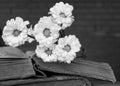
{"type": "Point", "coordinates": [46, 53]}
{"type": "Point", "coordinates": [45, 31]}
{"type": "Point", "coordinates": [15, 32]}
{"type": "Point", "coordinates": [67, 48]}
{"type": "Point", "coordinates": [62, 14]}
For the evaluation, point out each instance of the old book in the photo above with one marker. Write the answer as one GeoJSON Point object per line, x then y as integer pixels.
{"type": "Point", "coordinates": [14, 64]}
{"type": "Point", "coordinates": [79, 67]}
{"type": "Point", "coordinates": [16, 68]}
{"type": "Point", "coordinates": [49, 81]}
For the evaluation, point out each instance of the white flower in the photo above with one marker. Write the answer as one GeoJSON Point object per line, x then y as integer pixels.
{"type": "Point", "coordinates": [67, 48]}
{"type": "Point", "coordinates": [62, 13]}
{"type": "Point", "coordinates": [15, 32]}
{"type": "Point", "coordinates": [46, 53]}
{"type": "Point", "coordinates": [45, 31]}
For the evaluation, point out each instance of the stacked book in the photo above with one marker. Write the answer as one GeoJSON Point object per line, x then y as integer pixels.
{"type": "Point", "coordinates": [18, 68]}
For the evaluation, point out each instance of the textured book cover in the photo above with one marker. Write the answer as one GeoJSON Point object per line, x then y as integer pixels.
{"type": "Point", "coordinates": [14, 64]}
{"type": "Point", "coordinates": [16, 68]}
{"type": "Point", "coordinates": [49, 81]}
{"type": "Point", "coordinates": [79, 67]}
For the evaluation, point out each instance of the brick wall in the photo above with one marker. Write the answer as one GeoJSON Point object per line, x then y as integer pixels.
{"type": "Point", "coordinates": [97, 24]}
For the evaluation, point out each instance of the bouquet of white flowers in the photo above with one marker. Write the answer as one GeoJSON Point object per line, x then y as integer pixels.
{"type": "Point", "coordinates": [48, 32]}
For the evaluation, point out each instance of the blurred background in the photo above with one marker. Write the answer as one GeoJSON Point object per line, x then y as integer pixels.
{"type": "Point", "coordinates": [97, 24]}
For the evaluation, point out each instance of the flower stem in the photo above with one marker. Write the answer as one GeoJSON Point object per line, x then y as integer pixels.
{"type": "Point", "coordinates": [31, 36]}
{"type": "Point", "coordinates": [62, 33]}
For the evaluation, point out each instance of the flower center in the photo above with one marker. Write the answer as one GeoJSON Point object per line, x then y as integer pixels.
{"type": "Point", "coordinates": [48, 52]}
{"type": "Point", "coordinates": [63, 15]}
{"type": "Point", "coordinates": [67, 48]}
{"type": "Point", "coordinates": [46, 32]}
{"type": "Point", "coordinates": [16, 32]}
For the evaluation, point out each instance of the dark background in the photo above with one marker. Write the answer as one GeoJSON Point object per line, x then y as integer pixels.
{"type": "Point", "coordinates": [97, 24]}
